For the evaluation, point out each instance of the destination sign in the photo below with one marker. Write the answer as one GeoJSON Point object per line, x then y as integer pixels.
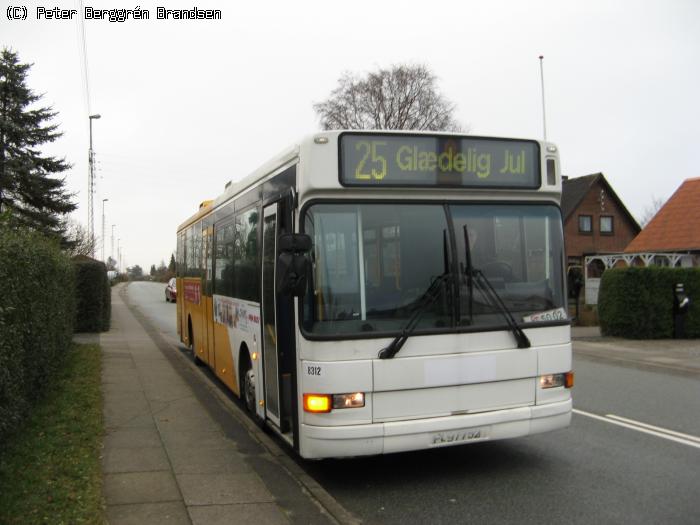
{"type": "Point", "coordinates": [405, 160]}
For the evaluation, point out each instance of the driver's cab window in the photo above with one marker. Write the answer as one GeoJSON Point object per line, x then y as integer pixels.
{"type": "Point", "coordinates": [520, 244]}
{"type": "Point", "coordinates": [508, 248]}
{"type": "Point", "coordinates": [517, 248]}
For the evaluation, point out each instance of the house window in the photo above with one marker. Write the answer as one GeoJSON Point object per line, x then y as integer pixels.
{"type": "Point", "coordinates": [585, 223]}
{"type": "Point", "coordinates": [606, 224]}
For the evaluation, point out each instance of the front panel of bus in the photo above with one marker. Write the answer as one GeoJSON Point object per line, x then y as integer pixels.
{"type": "Point", "coordinates": [435, 313]}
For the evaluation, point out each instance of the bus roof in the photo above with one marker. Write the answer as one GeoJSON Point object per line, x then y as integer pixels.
{"type": "Point", "coordinates": [236, 188]}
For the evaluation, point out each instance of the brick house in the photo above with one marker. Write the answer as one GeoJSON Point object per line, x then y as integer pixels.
{"type": "Point", "coordinates": [595, 222]}
{"type": "Point", "coordinates": [595, 219]}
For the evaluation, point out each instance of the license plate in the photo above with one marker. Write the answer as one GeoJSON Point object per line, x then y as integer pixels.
{"type": "Point", "coordinates": [558, 314]}
{"type": "Point", "coordinates": [452, 437]}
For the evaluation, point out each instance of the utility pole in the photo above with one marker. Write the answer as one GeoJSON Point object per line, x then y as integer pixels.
{"type": "Point", "coordinates": [544, 117]}
{"type": "Point", "coordinates": [103, 229]}
{"type": "Point", "coordinates": [91, 191]}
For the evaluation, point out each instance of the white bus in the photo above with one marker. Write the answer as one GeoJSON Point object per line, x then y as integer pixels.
{"type": "Point", "coordinates": [377, 292]}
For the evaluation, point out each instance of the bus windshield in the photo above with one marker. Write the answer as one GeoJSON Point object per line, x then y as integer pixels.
{"type": "Point", "coordinates": [372, 265]}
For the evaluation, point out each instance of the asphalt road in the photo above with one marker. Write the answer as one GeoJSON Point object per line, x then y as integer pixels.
{"type": "Point", "coordinates": [595, 471]}
{"type": "Point", "coordinates": [150, 298]}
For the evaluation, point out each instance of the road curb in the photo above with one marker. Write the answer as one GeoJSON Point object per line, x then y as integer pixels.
{"type": "Point", "coordinates": [641, 364]}
{"type": "Point", "coordinates": [317, 493]}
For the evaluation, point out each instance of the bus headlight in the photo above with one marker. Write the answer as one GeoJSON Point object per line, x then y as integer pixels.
{"type": "Point", "coordinates": [323, 403]}
{"type": "Point", "coordinates": [356, 400]}
{"type": "Point", "coordinates": [557, 380]}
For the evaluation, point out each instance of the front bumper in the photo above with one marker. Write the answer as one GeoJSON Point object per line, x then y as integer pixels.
{"type": "Point", "coordinates": [401, 436]}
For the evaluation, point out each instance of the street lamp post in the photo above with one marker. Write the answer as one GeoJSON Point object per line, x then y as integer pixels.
{"type": "Point", "coordinates": [119, 255]}
{"type": "Point", "coordinates": [91, 190]}
{"type": "Point", "coordinates": [111, 252]}
{"type": "Point", "coordinates": [544, 115]}
{"type": "Point", "coordinates": [103, 229]}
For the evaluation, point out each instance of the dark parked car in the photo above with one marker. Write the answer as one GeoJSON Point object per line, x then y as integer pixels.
{"type": "Point", "coordinates": [171, 291]}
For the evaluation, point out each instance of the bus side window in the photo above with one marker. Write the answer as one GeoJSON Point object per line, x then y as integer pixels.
{"type": "Point", "coordinates": [246, 256]}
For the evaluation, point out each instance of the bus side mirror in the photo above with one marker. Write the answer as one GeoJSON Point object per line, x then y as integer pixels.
{"type": "Point", "coordinates": [293, 264]}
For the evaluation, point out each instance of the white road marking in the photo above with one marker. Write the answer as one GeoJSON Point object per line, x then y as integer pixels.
{"type": "Point", "coordinates": [671, 435]}
{"type": "Point", "coordinates": [657, 429]}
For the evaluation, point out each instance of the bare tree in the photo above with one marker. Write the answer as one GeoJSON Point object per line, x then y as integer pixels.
{"type": "Point", "coordinates": [77, 240]}
{"type": "Point", "coordinates": [650, 211]}
{"type": "Point", "coordinates": [401, 97]}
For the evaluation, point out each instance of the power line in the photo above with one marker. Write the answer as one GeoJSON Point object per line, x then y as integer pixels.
{"type": "Point", "coordinates": [83, 52]}
{"type": "Point", "coordinates": [86, 94]}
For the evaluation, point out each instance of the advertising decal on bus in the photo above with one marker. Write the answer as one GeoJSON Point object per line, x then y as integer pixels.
{"type": "Point", "coordinates": [236, 314]}
{"type": "Point", "coordinates": [193, 292]}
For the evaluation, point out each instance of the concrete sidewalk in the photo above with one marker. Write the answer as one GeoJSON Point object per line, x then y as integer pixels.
{"type": "Point", "coordinates": [166, 458]}
{"type": "Point", "coordinates": [680, 356]}
{"type": "Point", "coordinates": [580, 332]}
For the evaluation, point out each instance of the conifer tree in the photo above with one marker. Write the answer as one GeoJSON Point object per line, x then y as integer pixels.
{"type": "Point", "coordinates": [30, 192]}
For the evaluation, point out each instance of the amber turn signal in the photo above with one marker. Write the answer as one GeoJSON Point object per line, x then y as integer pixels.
{"type": "Point", "coordinates": [317, 403]}
{"type": "Point", "coordinates": [569, 380]}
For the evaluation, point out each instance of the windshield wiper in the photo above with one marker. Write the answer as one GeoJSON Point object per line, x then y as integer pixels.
{"type": "Point", "coordinates": [481, 281]}
{"type": "Point", "coordinates": [426, 301]}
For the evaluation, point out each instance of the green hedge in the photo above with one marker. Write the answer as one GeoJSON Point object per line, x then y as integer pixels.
{"type": "Point", "coordinates": [637, 303]}
{"type": "Point", "coordinates": [106, 303]}
{"type": "Point", "coordinates": [93, 296]}
{"type": "Point", "coordinates": [37, 310]}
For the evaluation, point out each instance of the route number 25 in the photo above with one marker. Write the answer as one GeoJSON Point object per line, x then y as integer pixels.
{"type": "Point", "coordinates": [368, 150]}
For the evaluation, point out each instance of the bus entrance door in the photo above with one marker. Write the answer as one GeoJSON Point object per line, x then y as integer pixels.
{"type": "Point", "coordinates": [277, 324]}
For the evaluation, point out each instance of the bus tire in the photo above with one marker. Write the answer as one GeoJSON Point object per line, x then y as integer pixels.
{"type": "Point", "coordinates": [190, 333]}
{"type": "Point", "coordinates": [247, 382]}
{"type": "Point", "coordinates": [248, 386]}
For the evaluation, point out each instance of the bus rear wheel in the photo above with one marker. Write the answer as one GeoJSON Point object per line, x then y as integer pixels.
{"type": "Point", "coordinates": [249, 389]}
{"type": "Point", "coordinates": [197, 360]}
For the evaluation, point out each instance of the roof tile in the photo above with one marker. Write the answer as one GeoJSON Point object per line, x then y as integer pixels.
{"type": "Point", "coordinates": [676, 226]}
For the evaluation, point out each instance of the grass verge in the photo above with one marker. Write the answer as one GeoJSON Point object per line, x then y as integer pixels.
{"type": "Point", "coordinates": [50, 468]}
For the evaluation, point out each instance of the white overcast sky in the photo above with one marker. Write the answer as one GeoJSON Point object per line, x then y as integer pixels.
{"type": "Point", "coordinates": [188, 105]}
